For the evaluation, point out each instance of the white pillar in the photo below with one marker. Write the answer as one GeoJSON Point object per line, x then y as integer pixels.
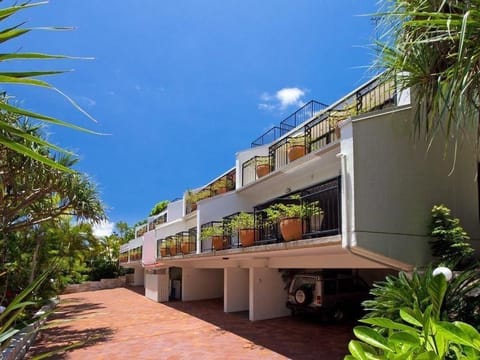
{"type": "Point", "coordinates": [138, 276]}
{"type": "Point", "coordinates": [156, 285]}
{"type": "Point", "coordinates": [235, 289]}
{"type": "Point", "coordinates": [267, 294]}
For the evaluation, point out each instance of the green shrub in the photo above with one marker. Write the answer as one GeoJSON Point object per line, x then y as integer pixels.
{"type": "Point", "coordinates": [450, 245]}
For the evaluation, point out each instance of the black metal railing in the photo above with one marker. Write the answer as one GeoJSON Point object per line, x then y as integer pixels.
{"type": "Point", "coordinates": [326, 223]}
{"type": "Point", "coordinates": [269, 136]}
{"type": "Point", "coordinates": [306, 112]}
{"type": "Point", "coordinates": [301, 115]}
{"type": "Point", "coordinates": [323, 129]}
{"type": "Point", "coordinates": [219, 241]}
{"type": "Point", "coordinates": [233, 240]}
{"type": "Point", "coordinates": [255, 168]}
{"type": "Point", "coordinates": [157, 221]}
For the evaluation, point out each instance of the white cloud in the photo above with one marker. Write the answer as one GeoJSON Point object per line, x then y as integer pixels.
{"type": "Point", "coordinates": [105, 228]}
{"type": "Point", "coordinates": [290, 96]}
{"type": "Point", "coordinates": [282, 99]}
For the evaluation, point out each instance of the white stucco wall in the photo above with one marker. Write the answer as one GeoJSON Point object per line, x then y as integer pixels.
{"type": "Point", "coordinates": [175, 210]}
{"type": "Point", "coordinates": [267, 295]}
{"type": "Point", "coordinates": [156, 285]}
{"type": "Point", "coordinates": [396, 183]}
{"type": "Point", "coordinates": [246, 155]}
{"type": "Point", "coordinates": [149, 253]}
{"type": "Point", "coordinates": [235, 289]}
{"type": "Point", "coordinates": [199, 284]}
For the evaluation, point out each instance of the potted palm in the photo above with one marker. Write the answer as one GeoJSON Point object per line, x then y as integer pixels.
{"type": "Point", "coordinates": [296, 147]}
{"type": "Point", "coordinates": [262, 166]}
{"type": "Point", "coordinates": [290, 217]}
{"type": "Point", "coordinates": [244, 224]}
{"type": "Point", "coordinates": [216, 235]}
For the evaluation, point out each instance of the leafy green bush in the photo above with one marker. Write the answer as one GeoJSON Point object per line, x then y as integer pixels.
{"type": "Point", "coordinates": [450, 245]}
{"type": "Point", "coordinates": [419, 334]}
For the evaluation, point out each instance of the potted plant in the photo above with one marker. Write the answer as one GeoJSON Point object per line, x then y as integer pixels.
{"type": "Point", "coordinates": [185, 244]}
{"type": "Point", "coordinates": [290, 216]}
{"type": "Point", "coordinates": [216, 234]}
{"type": "Point", "coordinates": [262, 166]}
{"type": "Point", "coordinates": [172, 245]}
{"type": "Point", "coordinates": [163, 248]}
{"type": "Point", "coordinates": [244, 224]}
{"type": "Point", "coordinates": [222, 185]}
{"type": "Point", "coordinates": [296, 147]}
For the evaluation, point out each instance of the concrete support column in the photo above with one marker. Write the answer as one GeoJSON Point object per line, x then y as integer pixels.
{"type": "Point", "coordinates": [199, 284]}
{"type": "Point", "coordinates": [235, 289]}
{"type": "Point", "coordinates": [138, 276]}
{"type": "Point", "coordinates": [267, 296]}
{"type": "Point", "coordinates": [156, 285]}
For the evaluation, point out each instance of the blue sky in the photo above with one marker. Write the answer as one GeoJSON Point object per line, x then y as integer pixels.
{"type": "Point", "coordinates": [182, 85]}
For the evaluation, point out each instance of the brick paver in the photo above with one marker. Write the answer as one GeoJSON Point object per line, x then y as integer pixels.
{"type": "Point", "coordinates": [122, 324]}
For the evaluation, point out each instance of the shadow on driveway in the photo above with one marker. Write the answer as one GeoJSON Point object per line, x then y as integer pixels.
{"type": "Point", "coordinates": [56, 335]}
{"type": "Point", "coordinates": [294, 337]}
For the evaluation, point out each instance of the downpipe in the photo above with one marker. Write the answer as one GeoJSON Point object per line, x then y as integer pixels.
{"type": "Point", "coordinates": [347, 235]}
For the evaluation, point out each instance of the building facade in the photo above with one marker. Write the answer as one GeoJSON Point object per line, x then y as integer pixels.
{"type": "Point", "coordinates": [372, 184]}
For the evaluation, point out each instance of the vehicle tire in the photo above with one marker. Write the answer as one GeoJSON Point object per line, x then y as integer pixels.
{"type": "Point", "coordinates": [303, 296]}
{"type": "Point", "coordinates": [337, 314]}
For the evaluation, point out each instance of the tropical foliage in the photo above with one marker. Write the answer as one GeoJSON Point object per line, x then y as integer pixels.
{"type": "Point", "coordinates": [433, 48]}
{"type": "Point", "coordinates": [29, 78]}
{"type": "Point", "coordinates": [420, 334]}
{"type": "Point", "coordinates": [159, 207]}
{"type": "Point", "coordinates": [450, 245]}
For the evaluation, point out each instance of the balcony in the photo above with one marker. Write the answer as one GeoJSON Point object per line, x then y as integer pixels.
{"type": "Point", "coordinates": [182, 243]}
{"type": "Point", "coordinates": [223, 184]}
{"type": "Point", "coordinates": [136, 254]}
{"type": "Point", "coordinates": [296, 141]}
{"type": "Point", "coordinates": [214, 236]}
{"type": "Point", "coordinates": [153, 222]}
{"type": "Point", "coordinates": [123, 257]}
{"type": "Point", "coordinates": [327, 223]}
{"type": "Point", "coordinates": [306, 112]}
{"type": "Point", "coordinates": [225, 234]}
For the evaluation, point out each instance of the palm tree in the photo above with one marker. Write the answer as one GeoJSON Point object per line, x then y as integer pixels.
{"type": "Point", "coordinates": [29, 78]}
{"type": "Point", "coordinates": [433, 47]}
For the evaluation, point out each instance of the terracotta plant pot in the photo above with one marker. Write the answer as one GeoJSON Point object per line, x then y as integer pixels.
{"type": "Point", "coordinates": [247, 236]}
{"type": "Point", "coordinates": [186, 248]}
{"type": "Point", "coordinates": [221, 190]}
{"type": "Point", "coordinates": [262, 170]}
{"type": "Point", "coordinates": [218, 242]}
{"type": "Point", "coordinates": [193, 207]}
{"type": "Point", "coordinates": [291, 229]}
{"type": "Point", "coordinates": [295, 152]}
{"type": "Point", "coordinates": [173, 250]}
{"type": "Point", "coordinates": [163, 252]}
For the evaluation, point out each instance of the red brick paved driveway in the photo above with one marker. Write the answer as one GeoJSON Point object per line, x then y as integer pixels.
{"type": "Point", "coordinates": [122, 324]}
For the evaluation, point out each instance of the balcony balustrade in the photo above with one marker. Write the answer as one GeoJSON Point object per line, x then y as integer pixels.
{"type": "Point", "coordinates": [326, 195]}
{"type": "Point", "coordinates": [214, 236]}
{"type": "Point", "coordinates": [322, 129]}
{"type": "Point", "coordinates": [182, 243]}
{"type": "Point", "coordinates": [255, 168]}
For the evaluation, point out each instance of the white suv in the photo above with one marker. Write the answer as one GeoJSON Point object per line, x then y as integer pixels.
{"type": "Point", "coordinates": [332, 294]}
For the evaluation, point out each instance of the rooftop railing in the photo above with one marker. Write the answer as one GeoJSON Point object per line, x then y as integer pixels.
{"type": "Point", "coordinates": [323, 128]}
{"type": "Point", "coordinates": [306, 112]}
